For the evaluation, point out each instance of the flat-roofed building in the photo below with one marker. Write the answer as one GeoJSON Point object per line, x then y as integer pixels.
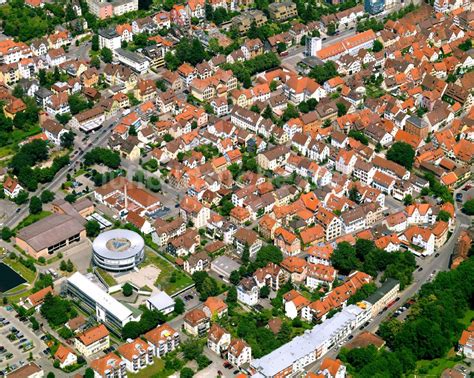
{"type": "Point", "coordinates": [136, 62]}
{"type": "Point", "coordinates": [294, 356]}
{"type": "Point", "coordinates": [43, 238]}
{"type": "Point", "coordinates": [93, 299]}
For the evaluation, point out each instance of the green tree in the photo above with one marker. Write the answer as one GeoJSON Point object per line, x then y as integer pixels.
{"type": "Point", "coordinates": [57, 310]}
{"type": "Point", "coordinates": [331, 28]}
{"type": "Point", "coordinates": [21, 198]}
{"type": "Point", "coordinates": [246, 254]}
{"type": "Point", "coordinates": [402, 153]}
{"type": "Point", "coordinates": [63, 266]}
{"type": "Point", "coordinates": [357, 135]}
{"type": "Point", "coordinates": [69, 266]}
{"type": "Point", "coordinates": [95, 42]}
{"type": "Point", "coordinates": [186, 373]}
{"type": "Point", "coordinates": [71, 198]}
{"type": "Point", "coordinates": [77, 104]}
{"type": "Point", "coordinates": [234, 277]}
{"type": "Point", "coordinates": [89, 373]}
{"type": "Point", "coordinates": [268, 253]}
{"type": "Point", "coordinates": [191, 349]}
{"type": "Point", "coordinates": [341, 109]}
{"type": "Point", "coordinates": [6, 233]}
{"type": "Point", "coordinates": [264, 292]}
{"type": "Point", "coordinates": [232, 295]}
{"type": "Point", "coordinates": [444, 216]}
{"type": "Point", "coordinates": [234, 168]}
{"type": "Point", "coordinates": [281, 47]}
{"type": "Point", "coordinates": [322, 73]}
{"type": "Point", "coordinates": [284, 335]}
{"type": "Point", "coordinates": [344, 258]}
{"type": "Point", "coordinates": [47, 196]}
{"type": "Point", "coordinates": [378, 46]}
{"type": "Point", "coordinates": [408, 200]}
{"type": "Point", "coordinates": [127, 289]}
{"type": "Point", "coordinates": [106, 55]}
{"type": "Point", "coordinates": [67, 139]}
{"type": "Point", "coordinates": [290, 112]}
{"type": "Point", "coordinates": [36, 206]}
{"type": "Point", "coordinates": [179, 306]}
{"type": "Point", "coordinates": [354, 194]}
{"type": "Point", "coordinates": [18, 91]}
{"type": "Point", "coordinates": [468, 207]}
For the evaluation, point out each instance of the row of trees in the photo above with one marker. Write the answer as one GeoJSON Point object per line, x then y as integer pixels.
{"type": "Point", "coordinates": [100, 155]}
{"type": "Point", "coordinates": [431, 329]}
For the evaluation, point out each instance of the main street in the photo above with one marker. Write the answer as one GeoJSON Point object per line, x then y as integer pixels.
{"type": "Point", "coordinates": [430, 265]}
{"type": "Point", "coordinates": [80, 149]}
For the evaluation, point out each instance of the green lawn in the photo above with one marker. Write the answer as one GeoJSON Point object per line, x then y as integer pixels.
{"type": "Point", "coordinates": [374, 92]}
{"type": "Point", "coordinates": [433, 368]}
{"type": "Point", "coordinates": [15, 137]}
{"type": "Point", "coordinates": [109, 280]}
{"type": "Point", "coordinates": [32, 218]}
{"type": "Point", "coordinates": [157, 370]}
{"type": "Point", "coordinates": [18, 267]}
{"type": "Point", "coordinates": [167, 269]}
{"type": "Point", "coordinates": [80, 172]}
{"type": "Point", "coordinates": [468, 317]}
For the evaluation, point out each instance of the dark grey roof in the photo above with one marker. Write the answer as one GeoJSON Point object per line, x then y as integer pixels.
{"type": "Point", "coordinates": [50, 231]}
{"type": "Point", "coordinates": [383, 290]}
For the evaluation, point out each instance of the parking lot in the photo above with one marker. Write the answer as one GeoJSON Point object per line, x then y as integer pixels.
{"type": "Point", "coordinates": [464, 194]}
{"type": "Point", "coordinates": [17, 339]}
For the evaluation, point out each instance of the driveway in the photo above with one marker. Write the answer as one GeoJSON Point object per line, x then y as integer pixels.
{"type": "Point", "coordinates": [12, 346]}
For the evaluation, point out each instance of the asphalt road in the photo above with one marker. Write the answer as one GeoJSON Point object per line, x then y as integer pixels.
{"type": "Point", "coordinates": [430, 264]}
{"type": "Point", "coordinates": [95, 140]}
{"type": "Point", "coordinates": [12, 346]}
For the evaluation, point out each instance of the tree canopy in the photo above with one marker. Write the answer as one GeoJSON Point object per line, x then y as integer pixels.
{"type": "Point", "coordinates": [402, 153]}
{"type": "Point", "coordinates": [431, 329]}
{"type": "Point", "coordinates": [468, 207]}
{"type": "Point", "coordinates": [104, 156]}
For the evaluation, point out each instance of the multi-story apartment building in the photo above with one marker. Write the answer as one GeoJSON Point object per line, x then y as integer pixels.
{"type": "Point", "coordinates": [136, 354]}
{"type": "Point", "coordinates": [282, 11]}
{"type": "Point", "coordinates": [163, 339]}
{"type": "Point", "coordinates": [109, 366]}
{"type": "Point", "coordinates": [95, 300]}
{"type": "Point", "coordinates": [92, 340]}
